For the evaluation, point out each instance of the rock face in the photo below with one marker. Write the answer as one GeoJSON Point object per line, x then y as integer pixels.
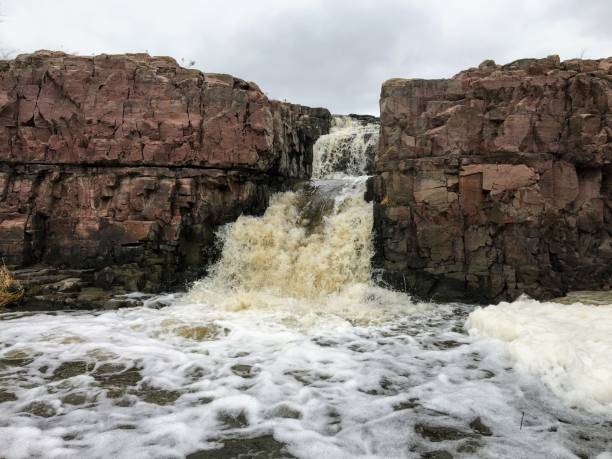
{"type": "Point", "coordinates": [127, 164]}
{"type": "Point", "coordinates": [498, 181]}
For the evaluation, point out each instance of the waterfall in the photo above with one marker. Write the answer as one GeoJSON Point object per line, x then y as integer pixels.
{"type": "Point", "coordinates": [307, 245]}
{"type": "Point", "coordinates": [310, 244]}
{"type": "Point", "coordinates": [348, 149]}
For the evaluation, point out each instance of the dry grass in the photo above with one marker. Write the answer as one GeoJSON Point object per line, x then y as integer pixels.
{"type": "Point", "coordinates": [10, 289]}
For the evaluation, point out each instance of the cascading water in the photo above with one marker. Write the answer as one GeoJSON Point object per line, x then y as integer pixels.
{"type": "Point", "coordinates": [308, 244]}
{"type": "Point", "coordinates": [288, 350]}
{"type": "Point", "coordinates": [349, 148]}
{"type": "Point", "coordinates": [313, 245]}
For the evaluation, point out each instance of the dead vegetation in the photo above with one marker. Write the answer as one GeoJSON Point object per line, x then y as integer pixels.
{"type": "Point", "coordinates": [11, 290]}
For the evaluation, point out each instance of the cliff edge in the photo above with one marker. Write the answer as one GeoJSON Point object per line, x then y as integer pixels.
{"type": "Point", "coordinates": [497, 182]}
{"type": "Point", "coordinates": [123, 166]}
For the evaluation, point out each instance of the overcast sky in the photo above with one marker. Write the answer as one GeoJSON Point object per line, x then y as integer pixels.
{"type": "Point", "coordinates": [331, 53]}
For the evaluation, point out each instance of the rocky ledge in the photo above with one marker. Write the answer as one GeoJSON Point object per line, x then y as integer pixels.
{"type": "Point", "coordinates": [125, 165]}
{"type": "Point", "coordinates": [497, 182]}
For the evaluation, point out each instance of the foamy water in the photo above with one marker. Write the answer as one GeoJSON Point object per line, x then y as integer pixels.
{"type": "Point", "coordinates": [289, 350]}
{"type": "Point", "coordinates": [568, 346]}
{"type": "Point", "coordinates": [145, 382]}
{"type": "Point", "coordinates": [307, 245]}
{"type": "Point", "coordinates": [348, 150]}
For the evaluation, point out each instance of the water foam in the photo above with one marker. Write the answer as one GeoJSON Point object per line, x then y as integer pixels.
{"type": "Point", "coordinates": [311, 249]}
{"type": "Point", "coordinates": [348, 149]}
{"type": "Point", "coordinates": [143, 383]}
{"type": "Point", "coordinates": [568, 346]}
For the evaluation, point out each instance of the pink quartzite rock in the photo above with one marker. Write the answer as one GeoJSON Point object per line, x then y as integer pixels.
{"type": "Point", "coordinates": [140, 110]}
{"type": "Point", "coordinates": [127, 164]}
{"type": "Point", "coordinates": [514, 171]}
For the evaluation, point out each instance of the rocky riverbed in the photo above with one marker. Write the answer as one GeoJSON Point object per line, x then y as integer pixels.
{"type": "Point", "coordinates": [196, 379]}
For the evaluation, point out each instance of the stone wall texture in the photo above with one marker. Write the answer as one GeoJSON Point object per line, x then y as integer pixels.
{"type": "Point", "coordinates": [497, 182]}
{"type": "Point", "coordinates": [129, 163]}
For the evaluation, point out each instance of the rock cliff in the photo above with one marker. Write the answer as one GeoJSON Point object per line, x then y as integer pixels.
{"type": "Point", "coordinates": [498, 181]}
{"type": "Point", "coordinates": [127, 164]}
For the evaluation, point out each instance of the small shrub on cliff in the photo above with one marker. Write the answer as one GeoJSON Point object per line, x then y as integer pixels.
{"type": "Point", "coordinates": [10, 289]}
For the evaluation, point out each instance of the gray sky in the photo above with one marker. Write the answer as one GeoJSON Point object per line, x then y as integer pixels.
{"type": "Point", "coordinates": [333, 53]}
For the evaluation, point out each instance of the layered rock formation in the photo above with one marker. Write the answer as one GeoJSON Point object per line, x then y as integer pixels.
{"type": "Point", "coordinates": [127, 164]}
{"type": "Point", "coordinates": [498, 181]}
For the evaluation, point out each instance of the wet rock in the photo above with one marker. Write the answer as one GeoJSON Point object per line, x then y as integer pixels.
{"type": "Point", "coordinates": [480, 427]}
{"type": "Point", "coordinates": [72, 284]}
{"type": "Point", "coordinates": [75, 398]}
{"type": "Point", "coordinates": [439, 433]}
{"type": "Point", "coordinates": [121, 398]}
{"type": "Point", "coordinates": [70, 369]}
{"type": "Point", "coordinates": [285, 411]}
{"type": "Point", "coordinates": [486, 374]}
{"type": "Point", "coordinates": [198, 332]}
{"type": "Point", "coordinates": [407, 405]}
{"type": "Point", "coordinates": [94, 295]}
{"type": "Point", "coordinates": [489, 185]}
{"type": "Point", "coordinates": [157, 396]}
{"type": "Point", "coordinates": [439, 454]}
{"type": "Point", "coordinates": [334, 422]}
{"type": "Point", "coordinates": [233, 420]}
{"type": "Point", "coordinates": [469, 446]}
{"type": "Point", "coordinates": [16, 358]}
{"type": "Point", "coordinates": [48, 288]}
{"type": "Point", "coordinates": [265, 447]}
{"type": "Point", "coordinates": [244, 371]}
{"type": "Point", "coordinates": [116, 375]}
{"type": "Point", "coordinates": [197, 373]}
{"type": "Point", "coordinates": [303, 377]}
{"type": "Point", "coordinates": [39, 408]}
{"type": "Point", "coordinates": [71, 437]}
{"type": "Point", "coordinates": [602, 298]}
{"type": "Point", "coordinates": [6, 396]}
{"type": "Point", "coordinates": [447, 344]}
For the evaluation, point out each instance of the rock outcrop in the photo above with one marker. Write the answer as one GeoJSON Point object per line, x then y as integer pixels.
{"type": "Point", "coordinates": [127, 164]}
{"type": "Point", "coordinates": [498, 181]}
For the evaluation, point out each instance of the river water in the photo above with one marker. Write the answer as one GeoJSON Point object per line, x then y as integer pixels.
{"type": "Point", "coordinates": [288, 349]}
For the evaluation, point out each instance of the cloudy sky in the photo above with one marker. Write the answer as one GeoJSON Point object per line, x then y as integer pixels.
{"type": "Point", "coordinates": [332, 53]}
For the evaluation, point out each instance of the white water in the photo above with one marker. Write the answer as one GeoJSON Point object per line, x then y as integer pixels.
{"type": "Point", "coordinates": [297, 249]}
{"type": "Point", "coordinates": [289, 338]}
{"type": "Point", "coordinates": [348, 150]}
{"type": "Point", "coordinates": [325, 386]}
{"type": "Point", "coordinates": [568, 346]}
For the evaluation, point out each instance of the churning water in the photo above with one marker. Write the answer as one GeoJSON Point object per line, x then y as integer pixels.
{"type": "Point", "coordinates": [349, 148]}
{"type": "Point", "coordinates": [289, 350]}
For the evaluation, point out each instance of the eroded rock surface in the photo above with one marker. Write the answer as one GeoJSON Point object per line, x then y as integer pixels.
{"type": "Point", "coordinates": [127, 164]}
{"type": "Point", "coordinates": [498, 181]}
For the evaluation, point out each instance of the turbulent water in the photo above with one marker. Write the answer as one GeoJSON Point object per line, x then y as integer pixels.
{"type": "Point", "coordinates": [308, 245]}
{"type": "Point", "coordinates": [348, 150]}
{"type": "Point", "coordinates": [288, 349]}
